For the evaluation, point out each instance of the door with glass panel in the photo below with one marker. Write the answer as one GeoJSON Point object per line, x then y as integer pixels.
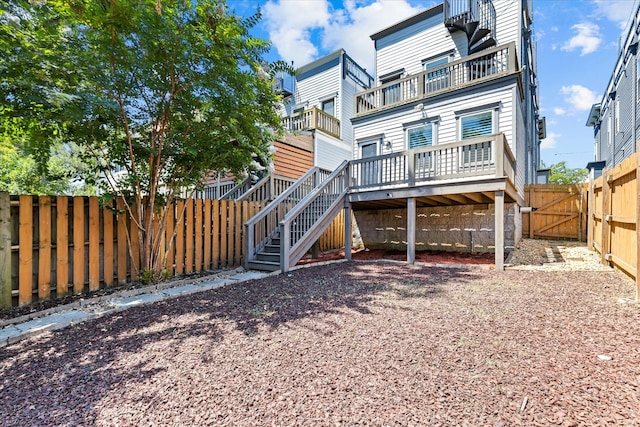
{"type": "Point", "coordinates": [369, 171]}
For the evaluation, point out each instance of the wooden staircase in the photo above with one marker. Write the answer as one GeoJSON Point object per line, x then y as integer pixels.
{"type": "Point", "coordinates": [476, 18]}
{"type": "Point", "coordinates": [282, 232]}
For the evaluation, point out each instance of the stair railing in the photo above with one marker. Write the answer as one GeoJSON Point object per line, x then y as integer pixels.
{"type": "Point", "coordinates": [305, 223]}
{"type": "Point", "coordinates": [487, 16]}
{"type": "Point", "coordinates": [266, 189]}
{"type": "Point", "coordinates": [264, 225]}
{"type": "Point", "coordinates": [237, 190]}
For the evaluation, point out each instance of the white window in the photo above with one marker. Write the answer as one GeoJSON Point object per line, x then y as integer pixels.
{"type": "Point", "coordinates": [475, 126]}
{"type": "Point", "coordinates": [439, 78]}
{"type": "Point", "coordinates": [420, 136]}
{"type": "Point", "coordinates": [328, 106]}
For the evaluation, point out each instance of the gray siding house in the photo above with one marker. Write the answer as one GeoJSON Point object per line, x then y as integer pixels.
{"type": "Point", "coordinates": [616, 118]}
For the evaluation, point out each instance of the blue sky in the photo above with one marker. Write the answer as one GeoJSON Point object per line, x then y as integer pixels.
{"type": "Point", "coordinates": [577, 49]}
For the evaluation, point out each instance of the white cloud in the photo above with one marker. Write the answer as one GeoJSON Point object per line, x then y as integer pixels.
{"type": "Point", "coordinates": [579, 97]}
{"type": "Point", "coordinates": [559, 111]}
{"type": "Point", "coordinates": [587, 40]}
{"type": "Point", "coordinates": [354, 24]}
{"type": "Point", "coordinates": [551, 141]}
{"type": "Point", "coordinates": [298, 29]}
{"type": "Point", "coordinates": [617, 11]}
{"type": "Point", "coordinates": [290, 25]}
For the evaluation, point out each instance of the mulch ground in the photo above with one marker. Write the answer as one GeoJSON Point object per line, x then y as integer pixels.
{"type": "Point", "coordinates": [345, 344]}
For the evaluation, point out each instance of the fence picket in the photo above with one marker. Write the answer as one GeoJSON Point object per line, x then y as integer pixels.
{"type": "Point", "coordinates": [107, 237]}
{"type": "Point", "coordinates": [62, 246]}
{"type": "Point", "coordinates": [78, 244]}
{"type": "Point", "coordinates": [94, 244]}
{"type": "Point", "coordinates": [44, 247]}
{"type": "Point", "coordinates": [25, 276]}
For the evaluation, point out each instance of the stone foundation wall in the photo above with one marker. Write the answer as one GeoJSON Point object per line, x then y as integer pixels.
{"type": "Point", "coordinates": [468, 228]}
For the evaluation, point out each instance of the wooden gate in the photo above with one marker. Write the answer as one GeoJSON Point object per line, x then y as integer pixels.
{"type": "Point", "coordinates": [559, 212]}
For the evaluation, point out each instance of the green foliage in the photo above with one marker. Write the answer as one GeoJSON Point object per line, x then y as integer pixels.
{"type": "Point", "coordinates": [561, 174]}
{"type": "Point", "coordinates": [166, 90]}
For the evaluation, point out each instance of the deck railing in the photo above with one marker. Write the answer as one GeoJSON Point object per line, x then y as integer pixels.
{"type": "Point", "coordinates": [471, 70]}
{"type": "Point", "coordinates": [233, 193]}
{"type": "Point", "coordinates": [311, 119]}
{"type": "Point", "coordinates": [215, 190]}
{"type": "Point", "coordinates": [488, 156]}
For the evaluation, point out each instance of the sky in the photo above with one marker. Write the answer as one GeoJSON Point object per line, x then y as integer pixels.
{"type": "Point", "coordinates": [577, 50]}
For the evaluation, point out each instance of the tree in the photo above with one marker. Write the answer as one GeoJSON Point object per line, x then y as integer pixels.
{"type": "Point", "coordinates": [167, 89]}
{"type": "Point", "coordinates": [562, 174]}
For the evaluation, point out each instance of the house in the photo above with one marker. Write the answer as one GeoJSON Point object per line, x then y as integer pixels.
{"type": "Point", "coordinates": [615, 119]}
{"type": "Point", "coordinates": [443, 144]}
{"type": "Point", "coordinates": [316, 109]}
{"type": "Point", "coordinates": [451, 130]}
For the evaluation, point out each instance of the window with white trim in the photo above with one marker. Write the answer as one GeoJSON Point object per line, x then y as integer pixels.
{"type": "Point", "coordinates": [439, 79]}
{"type": "Point", "coordinates": [329, 106]}
{"type": "Point", "coordinates": [475, 126]}
{"type": "Point", "coordinates": [420, 136]}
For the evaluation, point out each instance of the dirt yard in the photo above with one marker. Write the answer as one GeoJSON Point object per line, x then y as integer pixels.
{"type": "Point", "coordinates": [346, 344]}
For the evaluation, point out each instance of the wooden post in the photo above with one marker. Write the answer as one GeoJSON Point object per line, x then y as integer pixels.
{"type": "Point", "coordinates": [198, 235]}
{"type": "Point", "coordinates": [25, 272]}
{"type": "Point", "coordinates": [62, 246]}
{"type": "Point", "coordinates": [188, 258]}
{"type": "Point", "coordinates": [411, 230]}
{"type": "Point", "coordinates": [44, 248]}
{"type": "Point", "coordinates": [94, 244]}
{"type": "Point", "coordinates": [637, 220]}
{"type": "Point", "coordinates": [78, 244]}
{"type": "Point", "coordinates": [207, 234]}
{"type": "Point", "coordinates": [590, 213]}
{"type": "Point", "coordinates": [5, 250]}
{"type": "Point", "coordinates": [499, 230]}
{"type": "Point", "coordinates": [347, 231]}
{"type": "Point", "coordinates": [532, 194]}
{"type": "Point", "coordinates": [122, 245]}
{"type": "Point", "coordinates": [606, 211]}
{"type": "Point", "coordinates": [285, 239]}
{"type": "Point", "coordinates": [107, 253]}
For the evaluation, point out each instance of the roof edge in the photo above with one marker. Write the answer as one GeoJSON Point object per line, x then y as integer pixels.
{"type": "Point", "coordinates": [408, 22]}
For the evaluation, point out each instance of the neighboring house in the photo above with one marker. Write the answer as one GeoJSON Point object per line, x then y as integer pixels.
{"type": "Point", "coordinates": [443, 145]}
{"type": "Point", "coordinates": [616, 118]}
{"type": "Point", "coordinates": [320, 105]}
{"type": "Point", "coordinates": [456, 108]}
{"type": "Point", "coordinates": [316, 109]}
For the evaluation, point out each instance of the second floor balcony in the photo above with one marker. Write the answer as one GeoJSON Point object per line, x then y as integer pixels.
{"type": "Point", "coordinates": [312, 119]}
{"type": "Point", "coordinates": [471, 70]}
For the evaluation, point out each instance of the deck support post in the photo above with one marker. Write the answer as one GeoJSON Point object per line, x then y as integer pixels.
{"type": "Point", "coordinates": [347, 231]}
{"type": "Point", "coordinates": [411, 230]}
{"type": "Point", "coordinates": [499, 230]}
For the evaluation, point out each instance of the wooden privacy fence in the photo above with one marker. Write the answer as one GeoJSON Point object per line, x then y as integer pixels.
{"type": "Point", "coordinates": [614, 215]}
{"type": "Point", "coordinates": [560, 212]}
{"type": "Point", "coordinates": [54, 246]}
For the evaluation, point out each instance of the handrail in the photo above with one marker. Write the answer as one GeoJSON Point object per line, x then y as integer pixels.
{"type": "Point", "coordinates": [266, 189]}
{"type": "Point", "coordinates": [237, 190]}
{"type": "Point", "coordinates": [470, 70]}
{"type": "Point", "coordinates": [296, 228]}
{"type": "Point", "coordinates": [262, 226]}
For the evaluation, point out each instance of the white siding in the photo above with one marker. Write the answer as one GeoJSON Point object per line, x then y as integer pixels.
{"type": "Point", "coordinates": [312, 89]}
{"type": "Point", "coordinates": [347, 95]}
{"type": "Point", "coordinates": [409, 46]}
{"type": "Point", "coordinates": [330, 152]}
{"type": "Point", "coordinates": [509, 18]}
{"type": "Point", "coordinates": [391, 125]}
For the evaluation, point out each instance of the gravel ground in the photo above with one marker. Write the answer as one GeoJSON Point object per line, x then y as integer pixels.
{"type": "Point", "coordinates": [346, 344]}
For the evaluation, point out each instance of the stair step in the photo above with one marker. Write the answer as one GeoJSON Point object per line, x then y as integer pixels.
{"type": "Point", "coordinates": [273, 249]}
{"type": "Point", "coordinates": [478, 35]}
{"type": "Point", "coordinates": [470, 28]}
{"type": "Point", "coordinates": [484, 45]}
{"type": "Point", "coordinates": [268, 256]}
{"type": "Point", "coordinates": [263, 265]}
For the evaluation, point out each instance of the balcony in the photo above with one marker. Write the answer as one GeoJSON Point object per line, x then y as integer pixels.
{"type": "Point", "coordinates": [474, 69]}
{"type": "Point", "coordinates": [313, 119]}
{"type": "Point", "coordinates": [479, 158]}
